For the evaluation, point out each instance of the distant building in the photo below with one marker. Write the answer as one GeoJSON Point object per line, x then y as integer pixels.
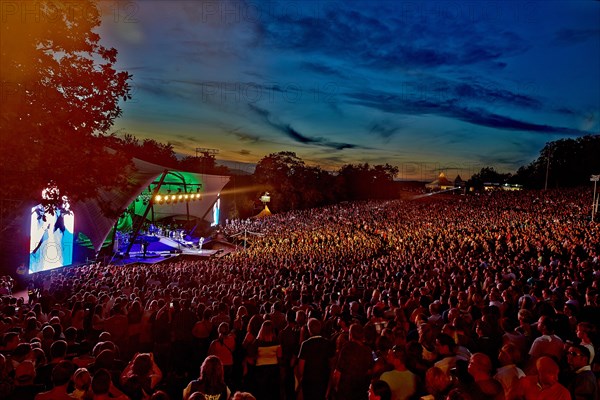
{"type": "Point", "coordinates": [489, 186]}
{"type": "Point", "coordinates": [458, 182]}
{"type": "Point", "coordinates": [512, 186]}
{"type": "Point", "coordinates": [441, 183]}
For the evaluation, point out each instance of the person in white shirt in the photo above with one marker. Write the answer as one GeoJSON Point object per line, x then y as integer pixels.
{"type": "Point", "coordinates": [508, 373]}
{"type": "Point", "coordinates": [402, 382]}
{"type": "Point", "coordinates": [548, 344]}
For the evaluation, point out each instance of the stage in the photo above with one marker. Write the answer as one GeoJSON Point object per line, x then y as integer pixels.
{"type": "Point", "coordinates": [161, 248]}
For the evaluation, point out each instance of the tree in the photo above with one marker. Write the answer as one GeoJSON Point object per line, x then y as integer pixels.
{"type": "Point", "coordinates": [60, 97]}
{"type": "Point", "coordinates": [565, 162]}
{"type": "Point", "coordinates": [148, 150]}
{"type": "Point", "coordinates": [281, 172]}
{"type": "Point", "coordinates": [317, 187]}
{"type": "Point", "coordinates": [204, 164]}
{"type": "Point", "coordinates": [488, 175]}
{"type": "Point", "coordinates": [361, 181]}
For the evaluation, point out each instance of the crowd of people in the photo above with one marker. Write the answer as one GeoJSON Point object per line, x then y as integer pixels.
{"type": "Point", "coordinates": [491, 296]}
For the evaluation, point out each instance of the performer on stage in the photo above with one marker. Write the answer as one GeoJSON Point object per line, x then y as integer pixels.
{"type": "Point", "coordinates": [144, 247]}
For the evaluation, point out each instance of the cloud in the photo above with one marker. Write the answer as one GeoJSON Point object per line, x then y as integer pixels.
{"type": "Point", "coordinates": [384, 128]}
{"type": "Point", "coordinates": [566, 110]}
{"type": "Point", "coordinates": [499, 162]}
{"type": "Point", "coordinates": [384, 41]}
{"type": "Point", "coordinates": [466, 90]}
{"type": "Point", "coordinates": [244, 136]}
{"type": "Point", "coordinates": [159, 88]}
{"type": "Point", "coordinates": [322, 69]}
{"type": "Point", "coordinates": [451, 108]}
{"type": "Point", "coordinates": [491, 94]}
{"type": "Point", "coordinates": [575, 36]}
{"type": "Point", "coordinates": [295, 135]}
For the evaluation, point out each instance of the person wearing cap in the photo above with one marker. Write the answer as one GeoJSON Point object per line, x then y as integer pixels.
{"type": "Point", "coordinates": [402, 382]}
{"type": "Point", "coordinates": [583, 384]}
{"type": "Point", "coordinates": [82, 381]}
{"type": "Point", "coordinates": [353, 369]}
{"type": "Point", "coordinates": [24, 386]}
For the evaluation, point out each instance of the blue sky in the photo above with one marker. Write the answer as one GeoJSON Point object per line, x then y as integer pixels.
{"type": "Point", "coordinates": [425, 86]}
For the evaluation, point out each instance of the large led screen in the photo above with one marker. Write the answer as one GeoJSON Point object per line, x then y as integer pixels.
{"type": "Point", "coordinates": [216, 212]}
{"type": "Point", "coordinates": [51, 241]}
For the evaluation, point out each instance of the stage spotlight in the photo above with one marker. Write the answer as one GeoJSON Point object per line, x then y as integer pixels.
{"type": "Point", "coordinates": [168, 199]}
{"type": "Point", "coordinates": [180, 197]}
{"type": "Point", "coordinates": [186, 196]}
{"type": "Point", "coordinates": [158, 199]}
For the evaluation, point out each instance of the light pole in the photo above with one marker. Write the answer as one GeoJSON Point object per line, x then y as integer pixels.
{"type": "Point", "coordinates": [547, 168]}
{"type": "Point", "coordinates": [594, 179]}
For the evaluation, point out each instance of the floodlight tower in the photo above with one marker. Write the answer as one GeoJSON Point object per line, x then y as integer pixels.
{"type": "Point", "coordinates": [594, 178]}
{"type": "Point", "coordinates": [206, 151]}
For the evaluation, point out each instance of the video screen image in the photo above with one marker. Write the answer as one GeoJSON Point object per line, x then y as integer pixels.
{"type": "Point", "coordinates": [51, 240]}
{"type": "Point", "coordinates": [216, 212]}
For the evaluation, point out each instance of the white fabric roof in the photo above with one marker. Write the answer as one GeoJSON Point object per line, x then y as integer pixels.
{"type": "Point", "coordinates": [90, 219]}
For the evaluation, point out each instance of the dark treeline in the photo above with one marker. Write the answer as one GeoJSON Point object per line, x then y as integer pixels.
{"type": "Point", "coordinates": [562, 163]}
{"type": "Point", "coordinates": [293, 184]}
{"type": "Point", "coordinates": [568, 163]}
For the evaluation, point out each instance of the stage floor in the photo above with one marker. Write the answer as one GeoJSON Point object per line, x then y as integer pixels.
{"type": "Point", "coordinates": [164, 248]}
{"type": "Point", "coordinates": [157, 257]}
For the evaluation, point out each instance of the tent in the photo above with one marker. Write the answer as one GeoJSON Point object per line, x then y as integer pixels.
{"type": "Point", "coordinates": [441, 183]}
{"type": "Point", "coordinates": [264, 213]}
{"type": "Point", "coordinates": [96, 224]}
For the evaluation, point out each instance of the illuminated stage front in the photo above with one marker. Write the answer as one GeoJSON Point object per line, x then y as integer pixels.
{"type": "Point", "coordinates": [160, 248]}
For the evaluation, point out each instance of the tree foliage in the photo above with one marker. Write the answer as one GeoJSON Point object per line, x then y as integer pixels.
{"type": "Point", "coordinates": [282, 173]}
{"type": "Point", "coordinates": [566, 163]}
{"type": "Point", "coordinates": [149, 150]}
{"type": "Point", "coordinates": [489, 175]}
{"type": "Point", "coordinates": [164, 154]}
{"type": "Point", "coordinates": [60, 95]}
{"type": "Point", "coordinates": [205, 163]}
{"type": "Point", "coordinates": [362, 181]}
{"type": "Point", "coordinates": [293, 184]}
